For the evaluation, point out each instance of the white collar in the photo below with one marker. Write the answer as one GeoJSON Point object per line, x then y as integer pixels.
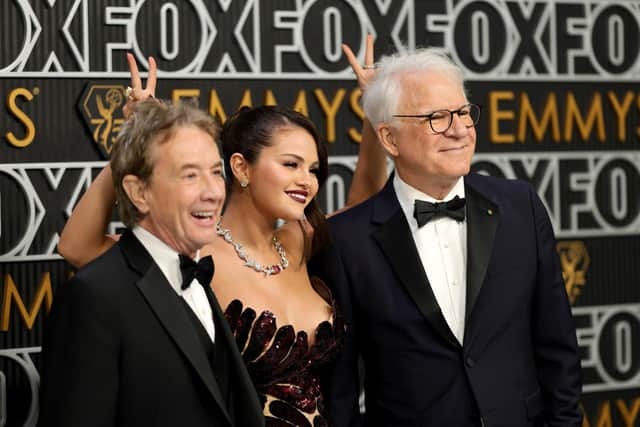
{"type": "Point", "coordinates": [407, 196]}
{"type": "Point", "coordinates": [165, 256]}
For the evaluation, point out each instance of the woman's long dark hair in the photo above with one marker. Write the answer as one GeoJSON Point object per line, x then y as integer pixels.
{"type": "Point", "coordinates": [250, 130]}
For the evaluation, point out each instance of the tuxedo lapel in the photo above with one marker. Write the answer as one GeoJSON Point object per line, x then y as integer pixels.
{"type": "Point", "coordinates": [224, 335]}
{"type": "Point", "coordinates": [171, 314]}
{"type": "Point", "coordinates": [394, 237]}
{"type": "Point", "coordinates": [482, 222]}
{"type": "Point", "coordinates": [250, 402]}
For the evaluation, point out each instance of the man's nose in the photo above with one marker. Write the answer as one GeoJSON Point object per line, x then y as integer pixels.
{"type": "Point", "coordinates": [213, 188]}
{"type": "Point", "coordinates": [458, 126]}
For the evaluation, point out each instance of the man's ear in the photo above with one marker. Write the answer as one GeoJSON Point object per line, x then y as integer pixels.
{"type": "Point", "coordinates": [136, 191]}
{"type": "Point", "coordinates": [240, 168]}
{"type": "Point", "coordinates": [387, 139]}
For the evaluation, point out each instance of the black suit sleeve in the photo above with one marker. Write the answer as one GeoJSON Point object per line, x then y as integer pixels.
{"type": "Point", "coordinates": [80, 359]}
{"type": "Point", "coordinates": [554, 333]}
{"type": "Point", "coordinates": [342, 385]}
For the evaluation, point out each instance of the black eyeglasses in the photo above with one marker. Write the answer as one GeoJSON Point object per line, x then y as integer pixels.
{"type": "Point", "coordinates": [441, 120]}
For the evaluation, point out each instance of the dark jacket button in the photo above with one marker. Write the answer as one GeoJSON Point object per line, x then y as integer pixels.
{"type": "Point", "coordinates": [470, 362]}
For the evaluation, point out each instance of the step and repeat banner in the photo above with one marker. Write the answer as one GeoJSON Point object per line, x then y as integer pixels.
{"type": "Point", "coordinates": [558, 80]}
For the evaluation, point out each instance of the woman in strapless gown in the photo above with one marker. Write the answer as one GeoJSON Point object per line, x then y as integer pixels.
{"type": "Point", "coordinates": [285, 369]}
{"type": "Point", "coordinates": [287, 325]}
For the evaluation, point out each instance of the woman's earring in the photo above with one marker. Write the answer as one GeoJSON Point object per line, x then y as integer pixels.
{"type": "Point", "coordinates": [244, 184]}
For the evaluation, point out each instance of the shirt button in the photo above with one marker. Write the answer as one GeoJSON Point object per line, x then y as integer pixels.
{"type": "Point", "coordinates": [446, 245]}
{"type": "Point", "coordinates": [454, 283]}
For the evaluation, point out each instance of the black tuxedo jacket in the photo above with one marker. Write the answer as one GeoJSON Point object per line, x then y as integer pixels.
{"type": "Point", "coordinates": [120, 350]}
{"type": "Point", "coordinates": [518, 365]}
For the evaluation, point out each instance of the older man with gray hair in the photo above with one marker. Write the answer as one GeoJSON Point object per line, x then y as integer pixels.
{"type": "Point", "coordinates": [450, 280]}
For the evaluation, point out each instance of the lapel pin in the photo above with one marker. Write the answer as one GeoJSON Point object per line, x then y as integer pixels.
{"type": "Point", "coordinates": [489, 212]}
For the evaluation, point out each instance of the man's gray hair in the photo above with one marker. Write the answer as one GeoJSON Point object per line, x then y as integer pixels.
{"type": "Point", "coordinates": [381, 97]}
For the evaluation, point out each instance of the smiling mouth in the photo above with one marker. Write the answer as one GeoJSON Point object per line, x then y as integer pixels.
{"type": "Point", "coordinates": [298, 196]}
{"type": "Point", "coordinates": [462, 147]}
{"type": "Point", "coordinates": [204, 215]}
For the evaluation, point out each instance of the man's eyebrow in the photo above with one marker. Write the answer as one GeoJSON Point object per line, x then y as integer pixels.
{"type": "Point", "coordinates": [198, 166]}
{"type": "Point", "coordinates": [189, 166]}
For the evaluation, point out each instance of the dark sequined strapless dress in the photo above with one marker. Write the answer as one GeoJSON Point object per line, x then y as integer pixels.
{"type": "Point", "coordinates": [285, 370]}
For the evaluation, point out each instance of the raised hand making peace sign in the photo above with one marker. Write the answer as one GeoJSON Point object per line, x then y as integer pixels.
{"type": "Point", "coordinates": [136, 92]}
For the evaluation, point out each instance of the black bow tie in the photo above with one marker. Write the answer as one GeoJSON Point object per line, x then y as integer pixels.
{"type": "Point", "coordinates": [423, 211]}
{"type": "Point", "coordinates": [201, 270]}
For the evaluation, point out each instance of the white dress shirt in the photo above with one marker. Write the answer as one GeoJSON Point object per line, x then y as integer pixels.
{"type": "Point", "coordinates": [442, 247]}
{"type": "Point", "coordinates": [169, 262]}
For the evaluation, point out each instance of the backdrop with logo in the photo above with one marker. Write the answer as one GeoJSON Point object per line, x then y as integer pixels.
{"type": "Point", "coordinates": [558, 81]}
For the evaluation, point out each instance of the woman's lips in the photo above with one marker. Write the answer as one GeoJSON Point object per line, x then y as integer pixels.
{"type": "Point", "coordinates": [298, 196]}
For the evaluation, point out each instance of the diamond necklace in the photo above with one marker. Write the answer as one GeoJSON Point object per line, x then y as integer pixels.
{"type": "Point", "coordinates": [268, 270]}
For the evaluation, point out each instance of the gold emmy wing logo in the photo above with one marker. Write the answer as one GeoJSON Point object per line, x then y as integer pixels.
{"type": "Point", "coordinates": [101, 108]}
{"type": "Point", "coordinates": [575, 260]}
